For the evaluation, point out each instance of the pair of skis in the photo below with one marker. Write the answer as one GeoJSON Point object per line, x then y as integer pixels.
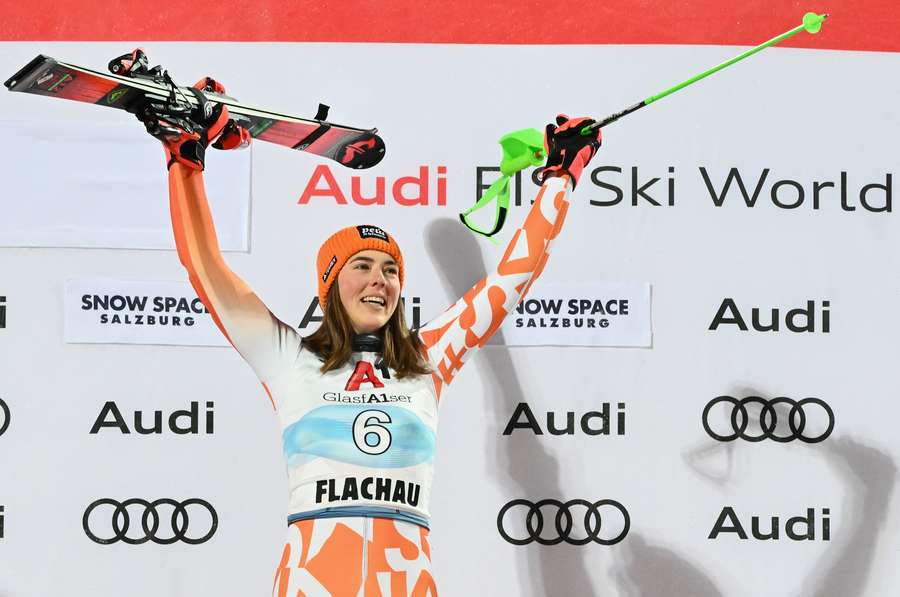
{"type": "Point", "coordinates": [131, 83]}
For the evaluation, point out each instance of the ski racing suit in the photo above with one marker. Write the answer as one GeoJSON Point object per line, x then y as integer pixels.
{"type": "Point", "coordinates": [358, 442]}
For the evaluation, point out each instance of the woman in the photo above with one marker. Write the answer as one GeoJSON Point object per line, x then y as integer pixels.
{"type": "Point", "coordinates": [357, 399]}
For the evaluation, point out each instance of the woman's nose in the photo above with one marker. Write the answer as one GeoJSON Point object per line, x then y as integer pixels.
{"type": "Point", "coordinates": [377, 277]}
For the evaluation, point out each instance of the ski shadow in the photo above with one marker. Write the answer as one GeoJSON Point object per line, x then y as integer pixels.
{"type": "Point", "coordinates": [525, 467]}
{"type": "Point", "coordinates": [869, 477]}
{"type": "Point", "coordinates": [645, 570]}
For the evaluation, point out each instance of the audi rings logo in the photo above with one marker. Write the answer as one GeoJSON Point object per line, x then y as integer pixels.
{"type": "Point", "coordinates": [151, 515]}
{"type": "Point", "coordinates": [794, 414]}
{"type": "Point", "coordinates": [4, 416]}
{"type": "Point", "coordinates": [577, 522]}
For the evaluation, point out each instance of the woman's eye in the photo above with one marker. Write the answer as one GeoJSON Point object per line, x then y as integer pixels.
{"type": "Point", "coordinates": [392, 271]}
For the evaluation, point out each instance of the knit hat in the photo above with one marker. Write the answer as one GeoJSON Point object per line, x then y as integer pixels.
{"type": "Point", "coordinates": [344, 244]}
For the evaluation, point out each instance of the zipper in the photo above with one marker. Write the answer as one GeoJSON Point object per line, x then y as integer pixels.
{"type": "Point", "coordinates": [365, 555]}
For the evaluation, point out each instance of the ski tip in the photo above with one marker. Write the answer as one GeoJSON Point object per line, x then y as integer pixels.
{"type": "Point", "coordinates": [813, 22]}
{"type": "Point", "coordinates": [362, 152]}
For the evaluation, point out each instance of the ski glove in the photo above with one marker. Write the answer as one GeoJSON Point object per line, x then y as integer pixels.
{"type": "Point", "coordinates": [568, 151]}
{"type": "Point", "coordinates": [187, 130]}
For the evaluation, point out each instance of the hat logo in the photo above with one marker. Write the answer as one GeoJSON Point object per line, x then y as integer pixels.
{"type": "Point", "coordinates": [328, 269]}
{"type": "Point", "coordinates": [372, 232]}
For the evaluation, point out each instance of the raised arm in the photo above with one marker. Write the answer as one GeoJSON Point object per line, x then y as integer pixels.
{"type": "Point", "coordinates": [451, 338]}
{"type": "Point", "coordinates": [248, 324]}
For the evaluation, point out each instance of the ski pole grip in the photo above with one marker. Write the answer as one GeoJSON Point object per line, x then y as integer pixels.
{"type": "Point", "coordinates": [589, 129]}
{"type": "Point", "coordinates": [612, 118]}
{"type": "Point", "coordinates": [521, 149]}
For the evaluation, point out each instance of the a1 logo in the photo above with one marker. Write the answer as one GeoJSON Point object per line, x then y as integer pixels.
{"type": "Point", "coordinates": [364, 373]}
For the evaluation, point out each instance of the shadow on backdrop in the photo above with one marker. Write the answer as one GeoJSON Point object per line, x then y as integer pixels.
{"type": "Point", "coordinates": [869, 477]}
{"type": "Point", "coordinates": [646, 570]}
{"type": "Point", "coordinates": [522, 464]}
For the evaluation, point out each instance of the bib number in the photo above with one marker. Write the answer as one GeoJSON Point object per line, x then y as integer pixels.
{"type": "Point", "coordinates": [368, 426]}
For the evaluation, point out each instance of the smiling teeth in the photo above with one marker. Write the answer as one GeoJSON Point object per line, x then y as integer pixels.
{"type": "Point", "coordinates": [374, 300]}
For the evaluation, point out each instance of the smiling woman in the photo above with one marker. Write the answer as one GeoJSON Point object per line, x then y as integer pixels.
{"type": "Point", "coordinates": [369, 290]}
{"type": "Point", "coordinates": [358, 399]}
{"type": "Point", "coordinates": [368, 267]}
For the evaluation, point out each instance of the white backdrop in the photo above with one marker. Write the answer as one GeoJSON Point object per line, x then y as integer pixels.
{"type": "Point", "coordinates": [806, 116]}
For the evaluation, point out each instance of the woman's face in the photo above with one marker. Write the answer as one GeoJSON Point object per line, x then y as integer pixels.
{"type": "Point", "coordinates": [369, 286]}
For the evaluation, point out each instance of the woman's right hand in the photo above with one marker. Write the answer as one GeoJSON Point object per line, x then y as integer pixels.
{"type": "Point", "coordinates": [568, 151]}
{"type": "Point", "coordinates": [186, 131]}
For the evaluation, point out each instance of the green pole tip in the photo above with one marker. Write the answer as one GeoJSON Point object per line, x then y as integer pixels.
{"type": "Point", "coordinates": [813, 22]}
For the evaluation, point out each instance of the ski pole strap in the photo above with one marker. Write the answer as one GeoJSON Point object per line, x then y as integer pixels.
{"type": "Point", "coordinates": [521, 149]}
{"type": "Point", "coordinates": [499, 191]}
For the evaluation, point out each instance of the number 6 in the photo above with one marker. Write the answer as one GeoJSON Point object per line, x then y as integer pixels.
{"type": "Point", "coordinates": [363, 426]}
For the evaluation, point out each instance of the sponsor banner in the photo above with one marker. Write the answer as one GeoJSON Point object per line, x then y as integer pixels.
{"type": "Point", "coordinates": [188, 421]}
{"type": "Point", "coordinates": [815, 525]}
{"type": "Point", "coordinates": [602, 421]}
{"type": "Point", "coordinates": [4, 416]}
{"type": "Point", "coordinates": [100, 311]}
{"type": "Point", "coordinates": [189, 521]}
{"type": "Point", "coordinates": [603, 314]}
{"type": "Point", "coordinates": [781, 419]}
{"type": "Point", "coordinates": [812, 317]}
{"type": "Point", "coordinates": [578, 522]}
{"type": "Point", "coordinates": [862, 190]}
{"type": "Point", "coordinates": [103, 185]}
{"type": "Point", "coordinates": [411, 305]}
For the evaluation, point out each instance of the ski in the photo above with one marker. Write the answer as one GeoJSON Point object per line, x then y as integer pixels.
{"type": "Point", "coordinates": [350, 146]}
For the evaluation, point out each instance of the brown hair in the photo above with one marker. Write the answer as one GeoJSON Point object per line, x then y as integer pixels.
{"type": "Point", "coordinates": [333, 341]}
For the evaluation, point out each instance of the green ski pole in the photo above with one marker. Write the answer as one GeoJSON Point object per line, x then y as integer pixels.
{"type": "Point", "coordinates": [524, 148]}
{"type": "Point", "coordinates": [812, 23]}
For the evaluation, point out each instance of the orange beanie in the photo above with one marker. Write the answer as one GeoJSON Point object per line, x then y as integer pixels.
{"type": "Point", "coordinates": [344, 244]}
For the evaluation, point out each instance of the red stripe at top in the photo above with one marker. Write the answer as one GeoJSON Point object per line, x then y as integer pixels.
{"type": "Point", "coordinates": [859, 25]}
